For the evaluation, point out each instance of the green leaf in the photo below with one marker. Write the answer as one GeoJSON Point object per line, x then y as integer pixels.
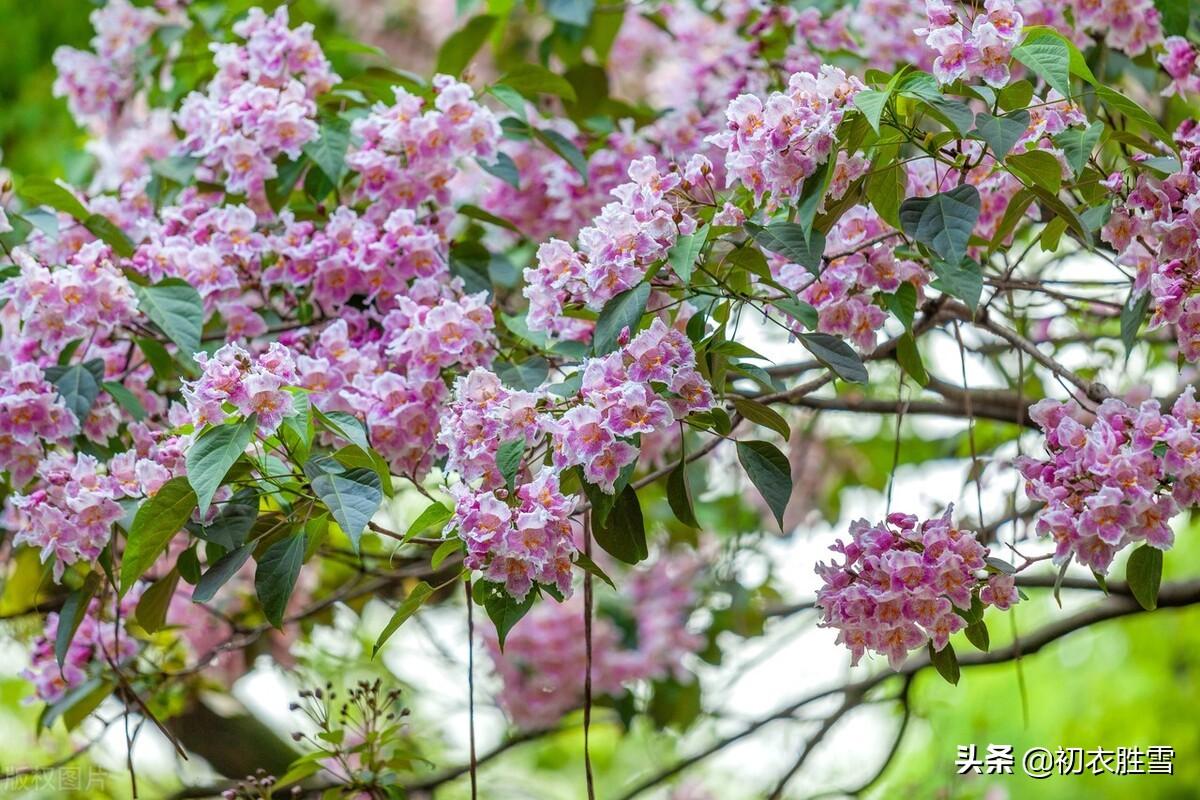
{"type": "Point", "coordinates": [416, 598]}
{"type": "Point", "coordinates": [276, 574]}
{"type": "Point", "coordinates": [1049, 57]}
{"type": "Point", "coordinates": [45, 192]}
{"type": "Point", "coordinates": [444, 551]}
{"type": "Point", "coordinates": [175, 306]}
{"type": "Point", "coordinates": [532, 80]}
{"type": "Point", "coordinates": [345, 425]}
{"type": "Point", "coordinates": [790, 241]}
{"type": "Point", "coordinates": [213, 453]}
{"type": "Point", "coordinates": [1115, 101]}
{"type": "Point", "coordinates": [623, 311]}
{"type": "Point", "coordinates": [279, 188]}
{"type": "Point", "coordinates": [328, 150]}
{"type": "Point", "coordinates": [563, 147]}
{"type": "Point", "coordinates": [77, 704]}
{"type": "Point", "coordinates": [107, 231]}
{"type": "Point", "coordinates": [623, 532]}
{"type": "Point", "coordinates": [1077, 144]}
{"type": "Point", "coordinates": [943, 222]}
{"type": "Point", "coordinates": [462, 45]}
{"type": "Point", "coordinates": [762, 414]}
{"type": "Point", "coordinates": [78, 386]}
{"type": "Point", "coordinates": [435, 515]}
{"type": "Point", "coordinates": [502, 608]}
{"type": "Point", "coordinates": [903, 304]}
{"type": "Point", "coordinates": [503, 168]}
{"type": "Point", "coordinates": [770, 472]}
{"type": "Point", "coordinates": [1175, 16]}
{"type": "Point", "coordinates": [872, 102]}
{"type": "Point", "coordinates": [945, 662]}
{"type": "Point", "coordinates": [156, 522]}
{"type": "Point", "coordinates": [885, 189]}
{"type": "Point", "coordinates": [798, 310]}
{"type": "Point", "coordinates": [1133, 314]}
{"type": "Point", "coordinates": [1036, 167]}
{"type": "Point", "coordinates": [525, 375]}
{"type": "Point", "coordinates": [964, 281]}
{"type": "Point", "coordinates": [234, 521]}
{"type": "Point", "coordinates": [74, 609]}
{"type": "Point", "coordinates": [1143, 573]}
{"type": "Point", "coordinates": [151, 611]}
{"type": "Point", "coordinates": [571, 12]}
{"type": "Point", "coordinates": [585, 563]}
{"type": "Point", "coordinates": [835, 354]}
{"type": "Point", "coordinates": [1002, 133]}
{"type": "Point", "coordinates": [683, 254]}
{"type": "Point", "coordinates": [220, 573]}
{"type": "Point", "coordinates": [126, 399]}
{"type": "Point", "coordinates": [508, 460]}
{"type": "Point", "coordinates": [909, 358]}
{"type": "Point", "coordinates": [813, 193]}
{"type": "Point", "coordinates": [977, 634]}
{"type": "Point", "coordinates": [353, 497]}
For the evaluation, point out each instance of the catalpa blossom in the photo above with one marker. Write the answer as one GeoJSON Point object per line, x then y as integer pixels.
{"type": "Point", "coordinates": [32, 415]}
{"type": "Point", "coordinates": [520, 540]}
{"type": "Point", "coordinates": [614, 252]}
{"type": "Point", "coordinates": [543, 664]}
{"type": "Point", "coordinates": [1115, 480]}
{"type": "Point", "coordinates": [905, 583]}
{"type": "Point", "coordinates": [252, 385]}
{"type": "Point", "coordinates": [771, 146]}
{"type": "Point", "coordinates": [978, 46]}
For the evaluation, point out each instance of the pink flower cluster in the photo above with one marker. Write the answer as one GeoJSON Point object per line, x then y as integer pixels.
{"type": "Point", "coordinates": [99, 639]}
{"type": "Point", "coordinates": [1156, 231]}
{"type": "Point", "coordinates": [521, 540]}
{"type": "Point", "coordinates": [252, 385]}
{"type": "Point", "coordinates": [771, 147]}
{"type": "Point", "coordinates": [260, 103]}
{"type": "Point", "coordinates": [1179, 60]}
{"type": "Point", "coordinates": [483, 414]}
{"type": "Point", "coordinates": [98, 84]}
{"type": "Point", "coordinates": [614, 252]}
{"type": "Point", "coordinates": [70, 516]}
{"type": "Point", "coordinates": [87, 298]}
{"type": "Point", "coordinates": [1129, 26]}
{"type": "Point", "coordinates": [861, 266]}
{"type": "Point", "coordinates": [31, 415]}
{"type": "Point", "coordinates": [408, 155]}
{"type": "Point", "coordinates": [901, 584]}
{"type": "Point", "coordinates": [972, 48]}
{"type": "Point", "coordinates": [619, 403]}
{"type": "Point", "coordinates": [544, 660]}
{"type": "Point", "coordinates": [1116, 481]}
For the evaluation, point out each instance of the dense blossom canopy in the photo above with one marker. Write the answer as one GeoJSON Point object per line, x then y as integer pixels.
{"type": "Point", "coordinates": [299, 291]}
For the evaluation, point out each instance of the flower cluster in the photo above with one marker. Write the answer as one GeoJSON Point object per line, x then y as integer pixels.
{"type": "Point", "coordinates": [89, 296]}
{"type": "Point", "coordinates": [252, 385]}
{"type": "Point", "coordinates": [1114, 482]}
{"type": "Point", "coordinates": [974, 48]}
{"type": "Point", "coordinates": [771, 147]}
{"type": "Point", "coordinates": [1129, 26]}
{"type": "Point", "coordinates": [1156, 231]}
{"type": "Point", "coordinates": [614, 251]}
{"type": "Point", "coordinates": [260, 103]}
{"type": "Point", "coordinates": [482, 415]}
{"type": "Point", "coordinates": [521, 541]}
{"type": "Point", "coordinates": [30, 414]}
{"type": "Point", "coordinates": [408, 156]}
{"type": "Point", "coordinates": [619, 403]}
{"type": "Point", "coordinates": [98, 84]}
{"type": "Point", "coordinates": [544, 659]}
{"type": "Point", "coordinates": [99, 638]}
{"type": "Point", "coordinates": [1179, 60]}
{"type": "Point", "coordinates": [906, 583]}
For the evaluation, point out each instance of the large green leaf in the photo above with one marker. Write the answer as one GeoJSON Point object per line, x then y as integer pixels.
{"type": "Point", "coordinates": [462, 45]}
{"type": "Point", "coordinates": [872, 102]}
{"type": "Point", "coordinates": [1115, 101]}
{"type": "Point", "coordinates": [1001, 133]}
{"type": "Point", "coordinates": [213, 453]}
{"type": "Point", "coordinates": [769, 471]}
{"type": "Point", "coordinates": [623, 532]}
{"type": "Point", "coordinates": [276, 575]}
{"type": "Point", "coordinates": [416, 598]}
{"type": "Point", "coordinates": [352, 497]}
{"type": "Point", "coordinates": [156, 522]}
{"type": "Point", "coordinates": [508, 460]}
{"type": "Point", "coordinates": [963, 280]}
{"type": "Point", "coordinates": [328, 150]}
{"type": "Point", "coordinates": [943, 222]}
{"type": "Point", "coordinates": [503, 609]}
{"type": "Point", "coordinates": [220, 573]}
{"type": "Point", "coordinates": [623, 311]}
{"type": "Point", "coordinates": [1049, 57]}
{"type": "Point", "coordinates": [1077, 144]}
{"type": "Point", "coordinates": [532, 80]}
{"type": "Point", "coordinates": [1036, 168]}
{"type": "Point", "coordinates": [78, 385]}
{"type": "Point", "coordinates": [1143, 573]}
{"type": "Point", "coordinates": [790, 241]}
{"type": "Point", "coordinates": [43, 191]}
{"type": "Point", "coordinates": [175, 306]}
{"type": "Point", "coordinates": [837, 355]}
